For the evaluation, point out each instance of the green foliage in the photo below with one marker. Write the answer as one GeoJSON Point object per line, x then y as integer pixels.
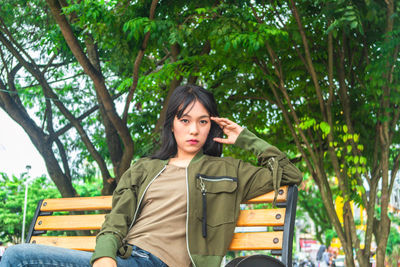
{"type": "Point", "coordinates": [394, 240]}
{"type": "Point", "coordinates": [393, 245]}
{"type": "Point", "coordinates": [329, 235]}
{"type": "Point", "coordinates": [310, 201]}
{"type": "Point", "coordinates": [12, 196]}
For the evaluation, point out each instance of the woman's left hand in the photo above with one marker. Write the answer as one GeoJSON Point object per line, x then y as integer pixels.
{"type": "Point", "coordinates": [230, 128]}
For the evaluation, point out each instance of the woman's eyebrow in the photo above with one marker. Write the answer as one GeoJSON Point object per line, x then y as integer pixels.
{"type": "Point", "coordinates": [205, 116]}
{"type": "Point", "coordinates": [202, 116]}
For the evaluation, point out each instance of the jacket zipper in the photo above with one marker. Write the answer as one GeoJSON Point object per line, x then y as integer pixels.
{"type": "Point", "coordinates": [187, 217]}
{"type": "Point", "coordinates": [204, 200]}
{"type": "Point", "coordinates": [141, 198]}
{"type": "Point", "coordinates": [215, 178]}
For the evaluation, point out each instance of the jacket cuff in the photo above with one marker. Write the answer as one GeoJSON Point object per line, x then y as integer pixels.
{"type": "Point", "coordinates": [106, 246]}
{"type": "Point", "coordinates": [249, 141]}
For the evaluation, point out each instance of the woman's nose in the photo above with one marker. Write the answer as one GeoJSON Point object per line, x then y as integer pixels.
{"type": "Point", "coordinates": [194, 128]}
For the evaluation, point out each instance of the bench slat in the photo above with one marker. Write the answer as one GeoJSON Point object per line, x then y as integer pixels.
{"type": "Point", "coordinates": [104, 202]}
{"type": "Point", "coordinates": [240, 241]}
{"type": "Point", "coordinates": [261, 217]}
{"type": "Point", "coordinates": [256, 241]}
{"type": "Point", "coordinates": [269, 197]}
{"type": "Point", "coordinates": [70, 222]}
{"type": "Point", "coordinates": [86, 243]}
{"type": "Point", "coordinates": [77, 204]}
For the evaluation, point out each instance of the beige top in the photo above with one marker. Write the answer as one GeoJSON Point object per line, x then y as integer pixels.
{"type": "Point", "coordinates": [161, 225]}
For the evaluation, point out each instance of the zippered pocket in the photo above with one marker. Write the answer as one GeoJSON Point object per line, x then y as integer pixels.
{"type": "Point", "coordinates": [217, 198]}
{"type": "Point", "coordinates": [216, 184]}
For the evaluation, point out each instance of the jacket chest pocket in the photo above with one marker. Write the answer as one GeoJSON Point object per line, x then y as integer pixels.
{"type": "Point", "coordinates": [218, 198]}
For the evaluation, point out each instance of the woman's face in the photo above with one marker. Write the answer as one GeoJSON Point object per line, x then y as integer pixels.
{"type": "Point", "coordinates": [191, 130]}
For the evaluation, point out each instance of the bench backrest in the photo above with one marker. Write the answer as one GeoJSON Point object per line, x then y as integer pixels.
{"type": "Point", "coordinates": [276, 224]}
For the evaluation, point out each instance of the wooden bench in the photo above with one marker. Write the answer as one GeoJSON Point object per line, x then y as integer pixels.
{"type": "Point", "coordinates": [276, 235]}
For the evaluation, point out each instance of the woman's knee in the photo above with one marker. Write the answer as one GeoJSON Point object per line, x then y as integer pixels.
{"type": "Point", "coordinates": [13, 250]}
{"type": "Point", "coordinates": [12, 255]}
{"type": "Point", "coordinates": [35, 255]}
{"type": "Point", "coordinates": [17, 249]}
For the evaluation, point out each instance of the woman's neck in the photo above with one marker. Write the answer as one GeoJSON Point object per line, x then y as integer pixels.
{"type": "Point", "coordinates": [179, 162]}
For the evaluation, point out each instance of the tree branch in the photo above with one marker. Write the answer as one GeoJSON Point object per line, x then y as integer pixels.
{"type": "Point", "coordinates": [11, 84]}
{"type": "Point", "coordinates": [99, 85]}
{"type": "Point", "coordinates": [204, 51]}
{"type": "Point", "coordinates": [278, 72]}
{"type": "Point", "coordinates": [308, 59]}
{"type": "Point", "coordinates": [244, 97]}
{"type": "Point", "coordinates": [67, 127]}
{"type": "Point", "coordinates": [322, 183]}
{"type": "Point", "coordinates": [175, 50]}
{"type": "Point", "coordinates": [50, 129]}
{"type": "Point", "coordinates": [48, 91]}
{"type": "Point", "coordinates": [4, 28]}
{"type": "Point", "coordinates": [395, 169]}
{"type": "Point", "coordinates": [158, 63]}
{"type": "Point", "coordinates": [38, 138]}
{"type": "Point", "coordinates": [137, 64]}
{"type": "Point", "coordinates": [96, 77]}
{"type": "Point", "coordinates": [56, 81]}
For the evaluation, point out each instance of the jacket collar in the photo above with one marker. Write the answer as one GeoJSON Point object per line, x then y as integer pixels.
{"type": "Point", "coordinates": [196, 158]}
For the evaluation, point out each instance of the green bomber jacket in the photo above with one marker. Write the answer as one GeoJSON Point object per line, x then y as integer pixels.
{"type": "Point", "coordinates": [225, 181]}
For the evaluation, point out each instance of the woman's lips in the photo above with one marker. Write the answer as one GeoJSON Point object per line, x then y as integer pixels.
{"type": "Point", "coordinates": [193, 141]}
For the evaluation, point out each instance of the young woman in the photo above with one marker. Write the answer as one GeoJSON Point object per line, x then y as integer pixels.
{"type": "Point", "coordinates": [179, 207]}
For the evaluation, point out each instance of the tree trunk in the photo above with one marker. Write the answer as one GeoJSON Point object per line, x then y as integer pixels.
{"type": "Point", "coordinates": [39, 140]}
{"type": "Point", "coordinates": [99, 85]}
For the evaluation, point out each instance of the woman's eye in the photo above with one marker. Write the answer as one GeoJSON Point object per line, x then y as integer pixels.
{"type": "Point", "coordinates": [184, 120]}
{"type": "Point", "coordinates": [203, 122]}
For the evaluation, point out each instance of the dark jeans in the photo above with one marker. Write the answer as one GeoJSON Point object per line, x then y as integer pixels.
{"type": "Point", "coordinates": [46, 256]}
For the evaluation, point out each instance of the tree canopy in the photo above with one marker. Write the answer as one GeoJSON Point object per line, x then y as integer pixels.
{"type": "Point", "coordinates": [89, 80]}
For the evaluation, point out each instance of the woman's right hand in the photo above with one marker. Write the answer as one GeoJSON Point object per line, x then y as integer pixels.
{"type": "Point", "coordinates": [105, 262]}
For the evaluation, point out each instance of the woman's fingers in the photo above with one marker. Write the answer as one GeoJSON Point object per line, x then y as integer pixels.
{"type": "Point", "coordinates": [227, 124]}
{"type": "Point", "coordinates": [230, 128]}
{"type": "Point", "coordinates": [221, 140]}
{"type": "Point", "coordinates": [223, 122]}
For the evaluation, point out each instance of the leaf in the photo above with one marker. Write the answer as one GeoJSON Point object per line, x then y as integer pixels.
{"type": "Point", "coordinates": [200, 10]}
{"type": "Point", "coordinates": [345, 128]}
{"type": "Point", "coordinates": [348, 148]}
{"type": "Point", "coordinates": [354, 24]}
{"type": "Point", "coordinates": [307, 123]}
{"type": "Point", "coordinates": [226, 47]}
{"type": "Point", "coordinates": [325, 127]}
{"type": "Point", "coordinates": [360, 189]}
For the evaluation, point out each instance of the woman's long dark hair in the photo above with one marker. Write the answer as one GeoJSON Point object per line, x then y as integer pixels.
{"type": "Point", "coordinates": [181, 98]}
